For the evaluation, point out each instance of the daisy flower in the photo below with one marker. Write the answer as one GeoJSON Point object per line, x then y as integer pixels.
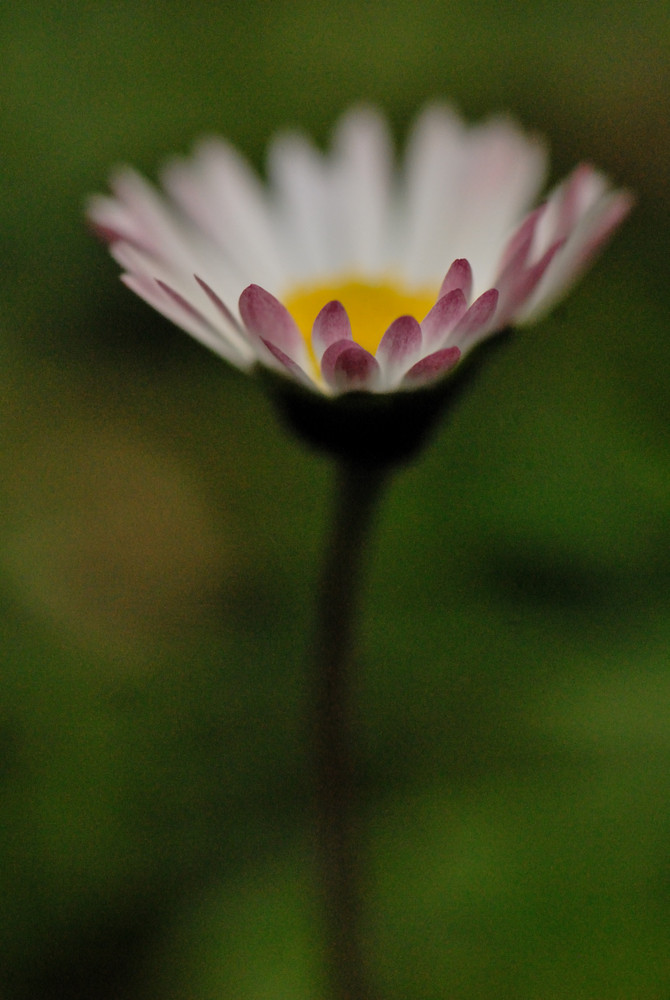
{"type": "Point", "coordinates": [344, 273]}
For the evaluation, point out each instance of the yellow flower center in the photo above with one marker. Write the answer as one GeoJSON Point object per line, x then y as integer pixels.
{"type": "Point", "coordinates": [371, 306]}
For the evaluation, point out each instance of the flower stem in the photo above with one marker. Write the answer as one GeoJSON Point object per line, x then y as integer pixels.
{"type": "Point", "coordinates": [338, 822]}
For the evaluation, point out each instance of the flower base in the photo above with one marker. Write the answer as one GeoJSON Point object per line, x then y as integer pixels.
{"type": "Point", "coordinates": [374, 429]}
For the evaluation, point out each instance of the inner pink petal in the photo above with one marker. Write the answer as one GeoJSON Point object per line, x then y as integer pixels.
{"type": "Point", "coordinates": [432, 366]}
{"type": "Point", "coordinates": [267, 318]}
{"type": "Point", "coordinates": [288, 363]}
{"type": "Point", "coordinates": [479, 314]}
{"type": "Point", "coordinates": [442, 317]}
{"type": "Point", "coordinates": [459, 275]}
{"type": "Point", "coordinates": [331, 325]}
{"type": "Point", "coordinates": [519, 245]}
{"type": "Point", "coordinates": [401, 340]}
{"type": "Point", "coordinates": [346, 365]}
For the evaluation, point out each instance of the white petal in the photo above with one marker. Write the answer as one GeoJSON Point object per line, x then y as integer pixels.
{"type": "Point", "coordinates": [149, 270]}
{"type": "Point", "coordinates": [503, 172]}
{"type": "Point", "coordinates": [433, 168]}
{"type": "Point", "coordinates": [362, 162]}
{"type": "Point", "coordinates": [466, 188]}
{"type": "Point", "coordinates": [220, 192]}
{"type": "Point", "coordinates": [462, 198]}
{"type": "Point", "coordinates": [215, 339]}
{"type": "Point", "coordinates": [299, 177]}
{"type": "Point", "coordinates": [154, 220]}
{"type": "Point", "coordinates": [579, 250]}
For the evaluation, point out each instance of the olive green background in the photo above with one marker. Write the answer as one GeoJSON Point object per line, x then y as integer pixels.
{"type": "Point", "coordinates": [160, 539]}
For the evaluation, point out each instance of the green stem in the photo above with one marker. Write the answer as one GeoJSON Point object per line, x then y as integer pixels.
{"type": "Point", "coordinates": [338, 822]}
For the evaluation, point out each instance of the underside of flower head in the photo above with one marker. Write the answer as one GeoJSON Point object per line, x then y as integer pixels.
{"type": "Point", "coordinates": [346, 275]}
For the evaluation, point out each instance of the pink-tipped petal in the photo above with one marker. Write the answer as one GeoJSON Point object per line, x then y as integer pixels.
{"type": "Point", "coordinates": [443, 317]}
{"type": "Point", "coordinates": [205, 330]}
{"type": "Point", "coordinates": [109, 233]}
{"type": "Point", "coordinates": [464, 196]}
{"type": "Point", "coordinates": [534, 274]}
{"type": "Point", "coordinates": [614, 210]}
{"type": "Point", "coordinates": [520, 286]}
{"type": "Point", "coordinates": [219, 303]}
{"type": "Point", "coordinates": [459, 276]}
{"type": "Point", "coordinates": [581, 246]}
{"type": "Point", "coordinates": [479, 315]}
{"type": "Point", "coordinates": [149, 290]}
{"type": "Point", "coordinates": [400, 343]}
{"type": "Point", "coordinates": [574, 196]}
{"type": "Point", "coordinates": [172, 305]}
{"type": "Point", "coordinates": [150, 220]}
{"type": "Point", "coordinates": [266, 317]}
{"type": "Point", "coordinates": [330, 326]}
{"type": "Point", "coordinates": [293, 369]}
{"type": "Point", "coordinates": [183, 303]}
{"type": "Point", "coordinates": [347, 366]}
{"type": "Point", "coordinates": [432, 366]}
{"type": "Point", "coordinates": [519, 245]}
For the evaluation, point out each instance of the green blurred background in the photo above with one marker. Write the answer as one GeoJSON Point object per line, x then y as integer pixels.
{"type": "Point", "coordinates": [161, 532]}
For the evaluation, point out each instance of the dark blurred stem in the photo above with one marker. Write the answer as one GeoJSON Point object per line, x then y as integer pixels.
{"type": "Point", "coordinates": [339, 838]}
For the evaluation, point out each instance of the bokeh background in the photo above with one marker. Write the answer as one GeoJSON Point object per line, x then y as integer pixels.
{"type": "Point", "coordinates": [160, 538]}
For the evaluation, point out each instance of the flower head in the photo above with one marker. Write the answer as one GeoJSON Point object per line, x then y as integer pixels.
{"type": "Point", "coordinates": [344, 274]}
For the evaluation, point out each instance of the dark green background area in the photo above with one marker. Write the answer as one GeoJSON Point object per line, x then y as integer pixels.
{"type": "Point", "coordinates": [160, 539]}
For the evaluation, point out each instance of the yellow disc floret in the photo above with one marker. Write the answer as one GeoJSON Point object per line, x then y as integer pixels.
{"type": "Point", "coordinates": [371, 306]}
